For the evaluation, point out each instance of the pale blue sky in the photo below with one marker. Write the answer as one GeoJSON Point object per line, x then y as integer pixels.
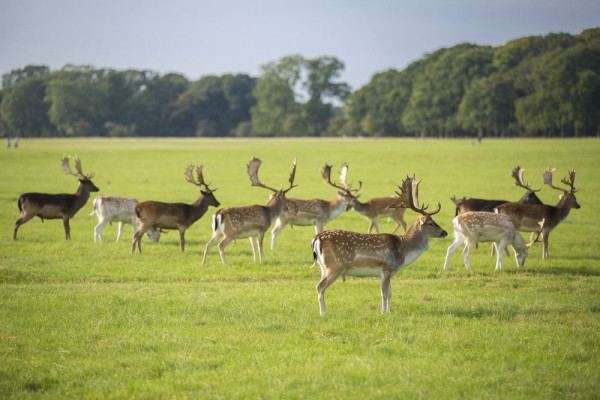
{"type": "Point", "coordinates": [198, 38]}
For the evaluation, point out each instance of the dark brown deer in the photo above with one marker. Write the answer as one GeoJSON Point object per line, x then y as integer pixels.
{"type": "Point", "coordinates": [529, 218]}
{"type": "Point", "coordinates": [179, 216]}
{"type": "Point", "coordinates": [315, 212]}
{"type": "Point", "coordinates": [474, 204]}
{"type": "Point", "coordinates": [55, 206]}
{"type": "Point", "coordinates": [341, 253]}
{"type": "Point", "coordinates": [252, 221]}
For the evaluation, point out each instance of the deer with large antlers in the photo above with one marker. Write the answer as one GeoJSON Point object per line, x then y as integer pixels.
{"type": "Point", "coordinates": [315, 212]}
{"type": "Point", "coordinates": [341, 253]}
{"type": "Point", "coordinates": [252, 221]}
{"type": "Point", "coordinates": [179, 216]}
{"type": "Point", "coordinates": [530, 218]}
{"type": "Point", "coordinates": [55, 206]}
{"type": "Point", "coordinates": [377, 208]}
{"type": "Point", "coordinates": [473, 204]}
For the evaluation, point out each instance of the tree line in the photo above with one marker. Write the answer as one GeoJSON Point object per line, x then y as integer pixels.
{"type": "Point", "coordinates": [532, 86]}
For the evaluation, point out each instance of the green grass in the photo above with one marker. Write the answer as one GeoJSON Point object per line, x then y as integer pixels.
{"type": "Point", "coordinates": [79, 319]}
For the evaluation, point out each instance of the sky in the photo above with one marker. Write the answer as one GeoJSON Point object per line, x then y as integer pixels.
{"type": "Point", "coordinates": [199, 38]}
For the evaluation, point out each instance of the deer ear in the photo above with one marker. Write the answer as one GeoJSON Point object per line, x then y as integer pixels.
{"type": "Point", "coordinates": [421, 221]}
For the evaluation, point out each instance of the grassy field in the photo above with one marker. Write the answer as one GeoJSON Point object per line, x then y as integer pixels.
{"type": "Point", "coordinates": [83, 319]}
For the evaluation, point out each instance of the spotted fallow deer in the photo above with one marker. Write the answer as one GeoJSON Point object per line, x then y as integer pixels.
{"type": "Point", "coordinates": [315, 212]}
{"type": "Point", "coordinates": [377, 208]}
{"type": "Point", "coordinates": [252, 221]}
{"type": "Point", "coordinates": [55, 206]}
{"type": "Point", "coordinates": [341, 253]}
{"type": "Point", "coordinates": [529, 218]}
{"type": "Point", "coordinates": [179, 216]}
{"type": "Point", "coordinates": [482, 226]}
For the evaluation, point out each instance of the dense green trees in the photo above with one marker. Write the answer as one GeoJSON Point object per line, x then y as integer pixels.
{"type": "Point", "coordinates": [532, 86]}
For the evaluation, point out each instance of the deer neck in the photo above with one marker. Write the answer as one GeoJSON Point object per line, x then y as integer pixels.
{"type": "Point", "coordinates": [82, 195]}
{"type": "Point", "coordinates": [415, 238]}
{"type": "Point", "coordinates": [336, 207]}
{"type": "Point", "coordinates": [199, 207]}
{"type": "Point", "coordinates": [274, 207]}
{"type": "Point", "coordinates": [562, 208]}
{"type": "Point", "coordinates": [361, 208]}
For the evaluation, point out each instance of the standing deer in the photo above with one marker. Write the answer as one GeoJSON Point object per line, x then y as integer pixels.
{"type": "Point", "coordinates": [180, 216]}
{"type": "Point", "coordinates": [315, 212]}
{"type": "Point", "coordinates": [251, 221]}
{"type": "Point", "coordinates": [348, 253]}
{"type": "Point", "coordinates": [530, 218]}
{"type": "Point", "coordinates": [55, 206]}
{"type": "Point", "coordinates": [482, 226]}
{"type": "Point", "coordinates": [111, 209]}
{"type": "Point", "coordinates": [378, 207]}
{"type": "Point", "coordinates": [472, 204]}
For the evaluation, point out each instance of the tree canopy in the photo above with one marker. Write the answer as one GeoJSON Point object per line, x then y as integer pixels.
{"type": "Point", "coordinates": [532, 86]}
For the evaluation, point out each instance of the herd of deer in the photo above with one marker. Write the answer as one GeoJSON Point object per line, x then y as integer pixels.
{"type": "Point", "coordinates": [337, 252]}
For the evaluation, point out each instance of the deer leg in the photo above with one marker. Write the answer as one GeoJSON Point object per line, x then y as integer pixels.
{"type": "Point", "coordinates": [386, 293]}
{"type": "Point", "coordinates": [24, 218]}
{"type": "Point", "coordinates": [319, 227]}
{"type": "Point", "coordinates": [182, 240]}
{"type": "Point", "coordinates": [226, 240]}
{"type": "Point", "coordinates": [451, 249]}
{"type": "Point", "coordinates": [261, 237]}
{"type": "Point", "coordinates": [67, 228]}
{"type": "Point", "coordinates": [211, 242]}
{"type": "Point", "coordinates": [253, 244]}
{"type": "Point", "coordinates": [324, 283]}
{"type": "Point", "coordinates": [137, 238]}
{"type": "Point", "coordinates": [545, 244]}
{"type": "Point", "coordinates": [278, 228]}
{"type": "Point", "coordinates": [500, 250]}
{"type": "Point", "coordinates": [98, 230]}
{"type": "Point", "coordinates": [120, 232]}
{"type": "Point", "coordinates": [466, 252]}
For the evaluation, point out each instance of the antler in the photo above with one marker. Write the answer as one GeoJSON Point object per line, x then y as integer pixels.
{"type": "Point", "coordinates": [292, 177]}
{"type": "Point", "coordinates": [79, 174]}
{"type": "Point", "coordinates": [456, 201]}
{"type": "Point", "coordinates": [409, 197]}
{"type": "Point", "coordinates": [570, 182]}
{"type": "Point", "coordinates": [517, 173]}
{"type": "Point", "coordinates": [189, 173]}
{"type": "Point", "coordinates": [538, 233]}
{"type": "Point", "coordinates": [326, 174]}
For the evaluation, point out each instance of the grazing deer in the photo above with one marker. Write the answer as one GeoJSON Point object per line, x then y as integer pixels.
{"type": "Point", "coordinates": [465, 205]}
{"type": "Point", "coordinates": [315, 212]}
{"type": "Point", "coordinates": [251, 221]}
{"type": "Point", "coordinates": [529, 218]}
{"type": "Point", "coordinates": [348, 253]}
{"type": "Point", "coordinates": [482, 226]}
{"type": "Point", "coordinates": [179, 216]}
{"type": "Point", "coordinates": [55, 206]}
{"type": "Point", "coordinates": [111, 209]}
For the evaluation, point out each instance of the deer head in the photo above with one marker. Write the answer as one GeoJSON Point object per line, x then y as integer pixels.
{"type": "Point", "coordinates": [199, 181]}
{"type": "Point", "coordinates": [84, 179]}
{"type": "Point", "coordinates": [568, 194]}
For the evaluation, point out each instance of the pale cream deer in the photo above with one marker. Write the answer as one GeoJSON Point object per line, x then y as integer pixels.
{"type": "Point", "coordinates": [315, 212]}
{"type": "Point", "coordinates": [341, 253]}
{"type": "Point", "coordinates": [529, 218]}
{"type": "Point", "coordinates": [482, 226]}
{"type": "Point", "coordinates": [252, 221]}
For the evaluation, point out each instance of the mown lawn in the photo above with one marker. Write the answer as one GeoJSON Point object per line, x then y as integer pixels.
{"type": "Point", "coordinates": [83, 319]}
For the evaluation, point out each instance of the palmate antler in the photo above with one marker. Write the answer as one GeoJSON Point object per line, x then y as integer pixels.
{"type": "Point", "coordinates": [517, 173]}
{"type": "Point", "coordinates": [199, 181]}
{"type": "Point", "coordinates": [326, 174]}
{"type": "Point", "coordinates": [79, 174]}
{"type": "Point", "coordinates": [253, 167]}
{"type": "Point", "coordinates": [571, 182]}
{"type": "Point", "coordinates": [409, 197]}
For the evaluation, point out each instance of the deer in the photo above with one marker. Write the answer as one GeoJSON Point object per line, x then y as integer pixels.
{"type": "Point", "coordinates": [543, 218]}
{"type": "Point", "coordinates": [341, 253]}
{"type": "Point", "coordinates": [473, 204]}
{"type": "Point", "coordinates": [315, 212]}
{"type": "Point", "coordinates": [251, 221]}
{"type": "Point", "coordinates": [482, 226]}
{"type": "Point", "coordinates": [56, 206]}
{"type": "Point", "coordinates": [179, 216]}
{"type": "Point", "coordinates": [378, 207]}
{"type": "Point", "coordinates": [111, 209]}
